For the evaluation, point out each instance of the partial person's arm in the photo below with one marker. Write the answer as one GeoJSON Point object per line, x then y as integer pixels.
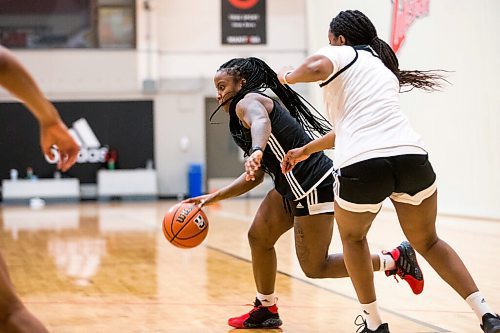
{"type": "Point", "coordinates": [314, 68]}
{"type": "Point", "coordinates": [16, 79]}
{"type": "Point", "coordinates": [255, 117]}
{"type": "Point", "coordinates": [238, 187]}
{"type": "Point", "coordinates": [294, 156]}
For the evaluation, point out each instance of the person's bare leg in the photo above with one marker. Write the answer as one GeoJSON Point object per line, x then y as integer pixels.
{"type": "Point", "coordinates": [313, 235]}
{"type": "Point", "coordinates": [270, 222]}
{"type": "Point", "coordinates": [14, 317]}
{"type": "Point", "coordinates": [353, 228]}
{"type": "Point", "coordinates": [419, 226]}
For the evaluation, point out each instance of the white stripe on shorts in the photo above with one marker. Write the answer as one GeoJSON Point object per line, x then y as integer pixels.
{"type": "Point", "coordinates": [416, 199]}
{"type": "Point", "coordinates": [324, 207]}
{"type": "Point", "coordinates": [357, 208]}
{"type": "Point", "coordinates": [312, 197]}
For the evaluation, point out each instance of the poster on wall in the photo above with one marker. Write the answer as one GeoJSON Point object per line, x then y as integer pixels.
{"type": "Point", "coordinates": [116, 27]}
{"type": "Point", "coordinates": [101, 128]}
{"type": "Point", "coordinates": [243, 22]}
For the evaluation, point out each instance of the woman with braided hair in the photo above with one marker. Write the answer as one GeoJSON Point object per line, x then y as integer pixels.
{"type": "Point", "coordinates": [302, 199]}
{"type": "Point", "coordinates": [378, 155]}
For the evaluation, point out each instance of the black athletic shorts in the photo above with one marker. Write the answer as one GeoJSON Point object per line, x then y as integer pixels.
{"type": "Point", "coordinates": [317, 201]}
{"type": "Point", "coordinates": [363, 186]}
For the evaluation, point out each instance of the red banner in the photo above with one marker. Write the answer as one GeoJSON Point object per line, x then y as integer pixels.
{"type": "Point", "coordinates": [404, 13]}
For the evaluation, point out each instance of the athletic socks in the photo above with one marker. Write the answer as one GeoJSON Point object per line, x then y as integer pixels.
{"type": "Point", "coordinates": [266, 300]}
{"type": "Point", "coordinates": [372, 317]}
{"type": "Point", "coordinates": [387, 263]}
{"type": "Point", "coordinates": [478, 304]}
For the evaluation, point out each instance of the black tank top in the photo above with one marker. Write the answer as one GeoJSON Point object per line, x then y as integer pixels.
{"type": "Point", "coordinates": [286, 134]}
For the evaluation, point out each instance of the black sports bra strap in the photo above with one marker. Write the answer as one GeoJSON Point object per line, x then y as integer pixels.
{"type": "Point", "coordinates": [342, 70]}
{"type": "Point", "coordinates": [366, 48]}
{"type": "Point", "coordinates": [356, 48]}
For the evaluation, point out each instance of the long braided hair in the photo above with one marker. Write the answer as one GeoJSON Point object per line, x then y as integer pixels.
{"type": "Point", "coordinates": [259, 77]}
{"type": "Point", "coordinates": [357, 29]}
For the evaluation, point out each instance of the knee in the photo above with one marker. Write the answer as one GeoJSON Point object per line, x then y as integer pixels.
{"type": "Point", "coordinates": [259, 240]}
{"type": "Point", "coordinates": [351, 235]}
{"type": "Point", "coordinates": [424, 244]}
{"type": "Point", "coordinates": [313, 269]}
{"type": "Point", "coordinates": [353, 238]}
{"type": "Point", "coordinates": [313, 272]}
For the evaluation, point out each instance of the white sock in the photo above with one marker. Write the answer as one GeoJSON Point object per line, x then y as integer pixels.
{"type": "Point", "coordinates": [386, 262]}
{"type": "Point", "coordinates": [478, 304]}
{"type": "Point", "coordinates": [266, 300]}
{"type": "Point", "coordinates": [370, 312]}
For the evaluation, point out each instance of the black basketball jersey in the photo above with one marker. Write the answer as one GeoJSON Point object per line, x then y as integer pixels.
{"type": "Point", "coordinates": [286, 134]}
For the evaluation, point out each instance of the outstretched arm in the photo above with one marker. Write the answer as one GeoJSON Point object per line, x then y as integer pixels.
{"type": "Point", "coordinates": [322, 143]}
{"type": "Point", "coordinates": [238, 187]}
{"type": "Point", "coordinates": [16, 79]}
{"type": "Point", "coordinates": [314, 68]}
{"type": "Point", "coordinates": [294, 156]}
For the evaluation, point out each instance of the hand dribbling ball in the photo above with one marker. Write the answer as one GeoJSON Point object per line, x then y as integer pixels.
{"type": "Point", "coordinates": [185, 225]}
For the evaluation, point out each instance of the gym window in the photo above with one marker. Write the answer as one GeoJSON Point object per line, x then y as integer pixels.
{"type": "Point", "coordinates": [45, 24]}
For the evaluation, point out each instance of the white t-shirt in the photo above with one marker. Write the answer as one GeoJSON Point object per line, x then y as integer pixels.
{"type": "Point", "coordinates": [363, 105]}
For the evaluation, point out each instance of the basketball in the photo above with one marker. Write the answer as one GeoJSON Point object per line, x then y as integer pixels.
{"type": "Point", "coordinates": [185, 225]}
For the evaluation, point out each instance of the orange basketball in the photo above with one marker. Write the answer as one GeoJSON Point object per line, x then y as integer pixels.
{"type": "Point", "coordinates": [185, 225]}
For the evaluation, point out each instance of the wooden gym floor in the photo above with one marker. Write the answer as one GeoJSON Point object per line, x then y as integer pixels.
{"type": "Point", "coordinates": [106, 267]}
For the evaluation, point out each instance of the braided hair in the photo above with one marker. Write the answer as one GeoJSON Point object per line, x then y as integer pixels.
{"type": "Point", "coordinates": [357, 29]}
{"type": "Point", "coordinates": [259, 77]}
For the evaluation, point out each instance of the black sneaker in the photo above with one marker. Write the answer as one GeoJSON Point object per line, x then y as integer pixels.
{"type": "Point", "coordinates": [407, 267]}
{"type": "Point", "coordinates": [363, 327]}
{"type": "Point", "coordinates": [259, 317]}
{"type": "Point", "coordinates": [491, 323]}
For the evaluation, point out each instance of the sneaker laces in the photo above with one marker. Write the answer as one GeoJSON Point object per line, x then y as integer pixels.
{"type": "Point", "coordinates": [402, 274]}
{"type": "Point", "coordinates": [260, 306]}
{"type": "Point", "coordinates": [361, 325]}
{"type": "Point", "coordinates": [395, 276]}
{"type": "Point", "coordinates": [255, 307]}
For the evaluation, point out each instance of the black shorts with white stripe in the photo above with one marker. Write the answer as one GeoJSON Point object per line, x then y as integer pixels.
{"type": "Point", "coordinates": [318, 200]}
{"type": "Point", "coordinates": [363, 186]}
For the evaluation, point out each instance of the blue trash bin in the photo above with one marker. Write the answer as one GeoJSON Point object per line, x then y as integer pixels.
{"type": "Point", "coordinates": [195, 180]}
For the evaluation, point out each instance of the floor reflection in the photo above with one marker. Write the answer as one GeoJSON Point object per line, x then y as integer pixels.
{"type": "Point", "coordinates": [78, 259]}
{"type": "Point", "coordinates": [89, 249]}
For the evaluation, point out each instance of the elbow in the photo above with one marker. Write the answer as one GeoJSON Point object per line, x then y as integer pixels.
{"type": "Point", "coordinates": [314, 69]}
{"type": "Point", "coordinates": [319, 67]}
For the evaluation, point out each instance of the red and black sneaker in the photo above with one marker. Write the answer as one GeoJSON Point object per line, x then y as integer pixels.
{"type": "Point", "coordinates": [259, 317]}
{"type": "Point", "coordinates": [407, 267]}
